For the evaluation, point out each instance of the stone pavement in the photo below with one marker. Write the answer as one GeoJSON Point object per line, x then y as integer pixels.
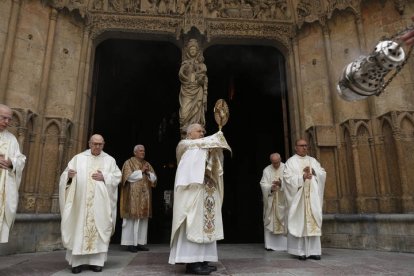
{"type": "Point", "coordinates": [234, 259]}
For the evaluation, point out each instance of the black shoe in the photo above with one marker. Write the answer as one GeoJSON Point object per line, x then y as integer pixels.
{"type": "Point", "coordinates": [132, 248]}
{"type": "Point", "coordinates": [77, 269]}
{"type": "Point", "coordinates": [212, 268]}
{"type": "Point", "coordinates": [141, 248]}
{"type": "Point", "coordinates": [197, 268]}
{"type": "Point", "coordinates": [315, 257]}
{"type": "Point", "coordinates": [96, 268]}
{"type": "Point", "coordinates": [302, 258]}
{"type": "Point", "coordinates": [269, 249]}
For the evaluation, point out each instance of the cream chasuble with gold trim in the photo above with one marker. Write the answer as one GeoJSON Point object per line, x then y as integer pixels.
{"type": "Point", "coordinates": [198, 193]}
{"type": "Point", "coordinates": [305, 198]}
{"type": "Point", "coordinates": [88, 207]}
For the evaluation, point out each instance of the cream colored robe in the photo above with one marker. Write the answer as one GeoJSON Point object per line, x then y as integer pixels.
{"type": "Point", "coordinates": [274, 204]}
{"type": "Point", "coordinates": [88, 207]}
{"type": "Point", "coordinates": [9, 183]}
{"type": "Point", "coordinates": [198, 193]}
{"type": "Point", "coordinates": [304, 199]}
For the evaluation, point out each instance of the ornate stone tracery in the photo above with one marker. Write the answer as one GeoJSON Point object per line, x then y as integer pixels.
{"type": "Point", "coordinates": [307, 11]}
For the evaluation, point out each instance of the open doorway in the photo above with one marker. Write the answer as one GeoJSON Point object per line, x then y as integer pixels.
{"type": "Point", "coordinates": [135, 101]}
{"type": "Point", "coordinates": [252, 81]}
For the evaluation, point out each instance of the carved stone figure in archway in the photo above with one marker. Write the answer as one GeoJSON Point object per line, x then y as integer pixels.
{"type": "Point", "coordinates": [193, 93]}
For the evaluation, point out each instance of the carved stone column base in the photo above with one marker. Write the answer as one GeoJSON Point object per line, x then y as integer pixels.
{"type": "Point", "coordinates": [346, 205]}
{"type": "Point", "coordinates": [55, 204]}
{"type": "Point", "coordinates": [27, 203]}
{"type": "Point", "coordinates": [389, 205]}
{"type": "Point", "coordinates": [367, 205]}
{"type": "Point", "coordinates": [407, 204]}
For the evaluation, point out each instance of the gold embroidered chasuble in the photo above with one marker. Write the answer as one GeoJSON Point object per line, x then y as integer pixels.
{"type": "Point", "coordinates": [304, 198]}
{"type": "Point", "coordinates": [136, 197]}
{"type": "Point", "coordinates": [274, 203]}
{"type": "Point", "coordinates": [87, 206]}
{"type": "Point", "coordinates": [199, 190]}
{"type": "Point", "coordinates": [9, 182]}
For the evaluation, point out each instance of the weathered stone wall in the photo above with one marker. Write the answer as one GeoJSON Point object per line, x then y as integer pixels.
{"type": "Point", "coordinates": [47, 51]}
{"type": "Point", "coordinates": [369, 231]}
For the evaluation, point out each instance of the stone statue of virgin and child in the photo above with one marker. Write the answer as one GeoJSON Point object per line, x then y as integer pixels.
{"type": "Point", "coordinates": [193, 93]}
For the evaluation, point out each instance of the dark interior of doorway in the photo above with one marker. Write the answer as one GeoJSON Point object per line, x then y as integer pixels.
{"type": "Point", "coordinates": [135, 101]}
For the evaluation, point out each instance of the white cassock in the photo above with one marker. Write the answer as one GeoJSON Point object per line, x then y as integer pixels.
{"type": "Point", "coordinates": [274, 209]}
{"type": "Point", "coordinates": [198, 197]}
{"type": "Point", "coordinates": [305, 200]}
{"type": "Point", "coordinates": [88, 208]}
{"type": "Point", "coordinates": [9, 183]}
{"type": "Point", "coordinates": [134, 231]}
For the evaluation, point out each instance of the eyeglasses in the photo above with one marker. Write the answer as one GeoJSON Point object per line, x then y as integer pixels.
{"type": "Point", "coordinates": [304, 146]}
{"type": "Point", "coordinates": [5, 118]}
{"type": "Point", "coordinates": [97, 144]}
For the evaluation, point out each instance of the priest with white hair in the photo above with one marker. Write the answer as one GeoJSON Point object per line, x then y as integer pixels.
{"type": "Point", "coordinates": [274, 205]}
{"type": "Point", "coordinates": [88, 193]}
{"type": "Point", "coordinates": [12, 162]}
{"type": "Point", "coordinates": [198, 198]}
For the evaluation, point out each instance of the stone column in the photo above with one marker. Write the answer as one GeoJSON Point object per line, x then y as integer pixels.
{"type": "Point", "coordinates": [61, 148]}
{"type": "Point", "coordinates": [86, 98]}
{"type": "Point", "coordinates": [299, 94]}
{"type": "Point", "coordinates": [363, 49]}
{"type": "Point", "coordinates": [331, 78]}
{"type": "Point", "coordinates": [44, 86]}
{"type": "Point", "coordinates": [44, 83]}
{"type": "Point", "coordinates": [406, 198]}
{"type": "Point", "coordinates": [385, 203]}
{"type": "Point", "coordinates": [345, 200]}
{"type": "Point", "coordinates": [8, 50]}
{"type": "Point", "coordinates": [81, 91]}
{"type": "Point", "coordinates": [360, 205]}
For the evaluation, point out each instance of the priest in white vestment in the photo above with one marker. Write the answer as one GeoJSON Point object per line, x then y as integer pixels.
{"type": "Point", "coordinates": [304, 184]}
{"type": "Point", "coordinates": [274, 205]}
{"type": "Point", "coordinates": [88, 192]}
{"type": "Point", "coordinates": [138, 179]}
{"type": "Point", "coordinates": [198, 197]}
{"type": "Point", "coordinates": [11, 167]}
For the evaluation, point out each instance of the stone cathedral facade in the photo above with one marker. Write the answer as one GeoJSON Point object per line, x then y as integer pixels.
{"type": "Point", "coordinates": [47, 52]}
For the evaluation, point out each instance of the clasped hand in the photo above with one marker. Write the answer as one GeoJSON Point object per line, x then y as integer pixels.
{"type": "Point", "coordinates": [307, 174]}
{"type": "Point", "coordinates": [5, 163]}
{"type": "Point", "coordinates": [145, 169]}
{"type": "Point", "coordinates": [98, 176]}
{"type": "Point", "coordinates": [276, 185]}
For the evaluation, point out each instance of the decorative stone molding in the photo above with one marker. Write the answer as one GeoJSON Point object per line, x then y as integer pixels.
{"type": "Point", "coordinates": [24, 120]}
{"type": "Point", "coordinates": [174, 16]}
{"type": "Point", "coordinates": [309, 11]}
{"type": "Point", "coordinates": [24, 117]}
{"type": "Point", "coordinates": [237, 29]}
{"type": "Point", "coordinates": [351, 5]}
{"type": "Point", "coordinates": [394, 119]}
{"type": "Point", "coordinates": [354, 124]}
{"type": "Point", "coordinates": [99, 23]}
{"type": "Point", "coordinates": [63, 125]}
{"type": "Point", "coordinates": [230, 18]}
